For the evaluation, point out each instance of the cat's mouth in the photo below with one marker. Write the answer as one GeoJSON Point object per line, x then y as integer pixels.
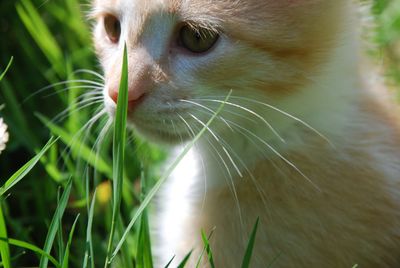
{"type": "Point", "coordinates": [155, 120]}
{"type": "Point", "coordinates": [133, 104]}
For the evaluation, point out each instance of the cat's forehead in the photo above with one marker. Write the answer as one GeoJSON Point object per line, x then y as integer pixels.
{"type": "Point", "coordinates": [237, 11]}
{"type": "Point", "coordinates": [145, 8]}
{"type": "Point", "coordinates": [138, 14]}
{"type": "Point", "coordinates": [276, 21]}
{"type": "Point", "coordinates": [201, 5]}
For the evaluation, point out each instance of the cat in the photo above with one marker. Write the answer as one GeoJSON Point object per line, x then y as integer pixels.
{"type": "Point", "coordinates": [303, 142]}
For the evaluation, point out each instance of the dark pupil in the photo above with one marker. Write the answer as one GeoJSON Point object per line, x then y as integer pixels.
{"type": "Point", "coordinates": [116, 27]}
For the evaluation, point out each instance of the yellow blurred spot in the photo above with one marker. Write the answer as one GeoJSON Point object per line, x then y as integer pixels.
{"type": "Point", "coordinates": [104, 193]}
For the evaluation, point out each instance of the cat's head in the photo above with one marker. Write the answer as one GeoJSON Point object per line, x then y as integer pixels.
{"type": "Point", "coordinates": [184, 56]}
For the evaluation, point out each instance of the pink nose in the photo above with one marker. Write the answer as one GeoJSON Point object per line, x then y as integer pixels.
{"type": "Point", "coordinates": [136, 92]}
{"type": "Point", "coordinates": [140, 79]}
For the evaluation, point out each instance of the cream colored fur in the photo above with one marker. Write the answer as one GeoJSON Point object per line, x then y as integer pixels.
{"type": "Point", "coordinates": [304, 143]}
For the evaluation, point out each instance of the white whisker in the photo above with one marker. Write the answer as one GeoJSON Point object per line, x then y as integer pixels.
{"type": "Point", "coordinates": [86, 127]}
{"type": "Point", "coordinates": [278, 154]}
{"type": "Point", "coordinates": [88, 83]}
{"type": "Point", "coordinates": [217, 139]}
{"type": "Point", "coordinates": [98, 75]}
{"type": "Point", "coordinates": [257, 185]}
{"type": "Point", "coordinates": [231, 182]}
{"type": "Point", "coordinates": [208, 109]}
{"type": "Point", "coordinates": [96, 88]}
{"type": "Point", "coordinates": [249, 111]}
{"type": "Point", "coordinates": [102, 135]}
{"type": "Point", "coordinates": [275, 152]}
{"type": "Point", "coordinates": [204, 125]}
{"type": "Point", "coordinates": [290, 116]}
{"type": "Point", "coordinates": [72, 110]}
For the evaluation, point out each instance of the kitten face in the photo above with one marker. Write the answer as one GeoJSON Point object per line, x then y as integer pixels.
{"type": "Point", "coordinates": [181, 51]}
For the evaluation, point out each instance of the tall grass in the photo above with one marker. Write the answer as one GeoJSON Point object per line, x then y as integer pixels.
{"type": "Point", "coordinates": [119, 142]}
{"type": "Point", "coordinates": [46, 183]}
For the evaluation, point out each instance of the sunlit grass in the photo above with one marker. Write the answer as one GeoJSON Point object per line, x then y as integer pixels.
{"type": "Point", "coordinates": [119, 142]}
{"type": "Point", "coordinates": [4, 247]}
{"type": "Point", "coordinates": [55, 224]}
{"type": "Point", "coordinates": [23, 171]}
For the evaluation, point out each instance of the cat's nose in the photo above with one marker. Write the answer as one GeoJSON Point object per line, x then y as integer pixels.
{"type": "Point", "coordinates": [133, 95]}
{"type": "Point", "coordinates": [136, 90]}
{"type": "Point", "coordinates": [141, 75]}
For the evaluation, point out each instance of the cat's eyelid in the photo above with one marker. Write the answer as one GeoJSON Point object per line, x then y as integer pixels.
{"type": "Point", "coordinates": [99, 12]}
{"type": "Point", "coordinates": [204, 21]}
{"type": "Point", "coordinates": [198, 25]}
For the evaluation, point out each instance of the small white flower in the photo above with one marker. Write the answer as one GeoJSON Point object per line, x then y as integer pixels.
{"type": "Point", "coordinates": [3, 135]}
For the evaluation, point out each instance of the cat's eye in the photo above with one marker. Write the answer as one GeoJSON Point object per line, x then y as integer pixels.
{"type": "Point", "coordinates": [113, 28]}
{"type": "Point", "coordinates": [198, 40]}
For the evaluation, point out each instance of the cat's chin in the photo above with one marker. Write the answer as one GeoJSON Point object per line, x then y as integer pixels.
{"type": "Point", "coordinates": [159, 136]}
{"type": "Point", "coordinates": [162, 138]}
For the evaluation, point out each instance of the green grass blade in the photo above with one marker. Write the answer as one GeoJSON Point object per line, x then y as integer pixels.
{"type": "Point", "coordinates": [250, 246]}
{"type": "Point", "coordinates": [185, 260]}
{"type": "Point", "coordinates": [78, 148]}
{"type": "Point", "coordinates": [126, 257]}
{"type": "Point", "coordinates": [52, 169]}
{"type": "Point", "coordinates": [24, 133]}
{"type": "Point", "coordinates": [144, 258]}
{"type": "Point", "coordinates": [274, 260]}
{"type": "Point", "coordinates": [51, 234]}
{"type": "Point", "coordinates": [41, 34]}
{"type": "Point", "coordinates": [60, 239]}
{"type": "Point", "coordinates": [32, 248]}
{"type": "Point", "coordinates": [67, 250]}
{"type": "Point", "coordinates": [4, 248]}
{"type": "Point", "coordinates": [89, 247]}
{"type": "Point", "coordinates": [6, 70]}
{"type": "Point", "coordinates": [170, 261]}
{"type": "Point", "coordinates": [207, 248]}
{"type": "Point", "coordinates": [168, 172]}
{"type": "Point", "coordinates": [24, 170]}
{"type": "Point", "coordinates": [118, 151]}
{"type": "Point", "coordinates": [14, 258]}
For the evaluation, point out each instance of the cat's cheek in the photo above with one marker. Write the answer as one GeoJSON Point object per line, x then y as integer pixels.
{"type": "Point", "coordinates": [100, 42]}
{"type": "Point", "coordinates": [184, 63]}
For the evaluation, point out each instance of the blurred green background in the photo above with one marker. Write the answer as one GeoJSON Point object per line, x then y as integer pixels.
{"type": "Point", "coordinates": [49, 40]}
